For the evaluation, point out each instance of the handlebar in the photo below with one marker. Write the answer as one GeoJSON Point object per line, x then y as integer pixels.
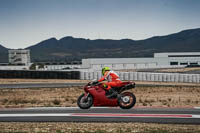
{"type": "Point", "coordinates": [93, 83]}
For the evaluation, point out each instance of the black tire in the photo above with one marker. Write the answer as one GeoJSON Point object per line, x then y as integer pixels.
{"type": "Point", "coordinates": [129, 104]}
{"type": "Point", "coordinates": [85, 105]}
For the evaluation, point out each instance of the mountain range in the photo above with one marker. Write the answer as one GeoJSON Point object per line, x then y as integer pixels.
{"type": "Point", "coordinates": [69, 48]}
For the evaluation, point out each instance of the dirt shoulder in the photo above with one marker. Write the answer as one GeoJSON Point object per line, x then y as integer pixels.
{"type": "Point", "coordinates": [97, 128]}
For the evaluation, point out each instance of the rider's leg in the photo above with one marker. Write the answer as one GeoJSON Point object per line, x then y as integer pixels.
{"type": "Point", "coordinates": [110, 89]}
{"type": "Point", "coordinates": [107, 86]}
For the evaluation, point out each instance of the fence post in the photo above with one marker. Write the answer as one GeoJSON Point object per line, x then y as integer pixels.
{"type": "Point", "coordinates": [135, 76]}
{"type": "Point", "coordinates": [95, 75]}
{"type": "Point", "coordinates": [198, 78]}
{"type": "Point", "coordinates": [131, 76]}
{"type": "Point", "coordinates": [164, 77]}
{"type": "Point", "coordinates": [194, 78]}
{"type": "Point", "coordinates": [156, 77]}
{"type": "Point", "coordinates": [160, 77]}
{"type": "Point", "coordinates": [168, 77]}
{"type": "Point", "coordinates": [185, 78]}
{"type": "Point", "coordinates": [152, 76]}
{"type": "Point", "coordinates": [172, 77]}
{"type": "Point", "coordinates": [126, 76]}
{"type": "Point", "coordinates": [139, 76]}
{"type": "Point", "coordinates": [181, 78]}
{"type": "Point", "coordinates": [176, 78]}
{"type": "Point", "coordinates": [190, 78]}
{"type": "Point", "coordinates": [148, 77]}
{"type": "Point", "coordinates": [121, 76]}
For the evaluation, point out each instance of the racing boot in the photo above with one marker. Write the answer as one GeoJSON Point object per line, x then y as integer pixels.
{"type": "Point", "coordinates": [111, 93]}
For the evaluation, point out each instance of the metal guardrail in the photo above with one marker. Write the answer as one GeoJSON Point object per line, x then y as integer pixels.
{"type": "Point", "coordinates": [145, 76]}
{"type": "Point", "coordinates": [136, 76]}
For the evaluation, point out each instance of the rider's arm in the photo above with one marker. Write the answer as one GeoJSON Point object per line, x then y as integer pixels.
{"type": "Point", "coordinates": [101, 79]}
{"type": "Point", "coordinates": [104, 77]}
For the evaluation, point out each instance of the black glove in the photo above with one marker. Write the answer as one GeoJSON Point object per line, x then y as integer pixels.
{"type": "Point", "coordinates": [95, 82]}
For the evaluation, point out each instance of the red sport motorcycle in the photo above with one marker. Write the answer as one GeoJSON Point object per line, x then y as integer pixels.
{"type": "Point", "coordinates": [96, 95]}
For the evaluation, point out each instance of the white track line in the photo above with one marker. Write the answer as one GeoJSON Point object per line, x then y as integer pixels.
{"type": "Point", "coordinates": [68, 108]}
{"type": "Point", "coordinates": [32, 115]}
{"type": "Point", "coordinates": [103, 115]}
{"type": "Point", "coordinates": [195, 116]}
{"type": "Point", "coordinates": [77, 108]}
{"type": "Point", "coordinates": [46, 108]}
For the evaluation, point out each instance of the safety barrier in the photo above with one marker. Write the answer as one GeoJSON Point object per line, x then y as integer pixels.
{"type": "Point", "coordinates": [144, 76]}
{"type": "Point", "coordinates": [39, 74]}
{"type": "Point", "coordinates": [138, 76]}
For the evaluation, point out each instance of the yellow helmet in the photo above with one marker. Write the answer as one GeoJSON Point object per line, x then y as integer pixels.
{"type": "Point", "coordinates": [105, 69]}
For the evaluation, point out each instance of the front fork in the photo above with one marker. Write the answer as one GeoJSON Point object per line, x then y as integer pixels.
{"type": "Point", "coordinates": [86, 97]}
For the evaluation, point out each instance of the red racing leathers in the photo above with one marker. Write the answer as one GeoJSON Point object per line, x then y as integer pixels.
{"type": "Point", "coordinates": [112, 78]}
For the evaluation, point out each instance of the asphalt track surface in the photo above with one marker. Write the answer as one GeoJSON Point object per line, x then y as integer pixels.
{"type": "Point", "coordinates": [39, 85]}
{"type": "Point", "coordinates": [102, 114]}
{"type": "Point", "coordinates": [63, 85]}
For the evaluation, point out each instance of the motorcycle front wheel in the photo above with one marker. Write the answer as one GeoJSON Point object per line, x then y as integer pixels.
{"type": "Point", "coordinates": [85, 103]}
{"type": "Point", "coordinates": [126, 100]}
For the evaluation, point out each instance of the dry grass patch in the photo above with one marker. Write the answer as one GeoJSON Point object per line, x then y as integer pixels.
{"type": "Point", "coordinates": [67, 97]}
{"type": "Point", "coordinates": [168, 96]}
{"type": "Point", "coordinates": [43, 97]}
{"type": "Point", "coordinates": [69, 127]}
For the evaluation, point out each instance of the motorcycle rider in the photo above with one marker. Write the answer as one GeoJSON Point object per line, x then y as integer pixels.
{"type": "Point", "coordinates": [113, 81]}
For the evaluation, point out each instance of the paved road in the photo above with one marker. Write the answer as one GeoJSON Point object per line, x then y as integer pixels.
{"type": "Point", "coordinates": [39, 85]}
{"type": "Point", "coordinates": [162, 115]}
{"type": "Point", "coordinates": [62, 85]}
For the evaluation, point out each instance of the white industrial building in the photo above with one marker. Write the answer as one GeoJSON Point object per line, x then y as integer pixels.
{"type": "Point", "coordinates": [61, 67]}
{"type": "Point", "coordinates": [160, 60]}
{"type": "Point", "coordinates": [19, 57]}
{"type": "Point", "coordinates": [13, 67]}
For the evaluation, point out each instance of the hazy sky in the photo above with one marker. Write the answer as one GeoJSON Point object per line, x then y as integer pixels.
{"type": "Point", "coordinates": [27, 22]}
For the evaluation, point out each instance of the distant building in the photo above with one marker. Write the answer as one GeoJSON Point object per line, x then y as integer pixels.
{"type": "Point", "coordinates": [59, 65]}
{"type": "Point", "coordinates": [19, 57]}
{"type": "Point", "coordinates": [160, 60]}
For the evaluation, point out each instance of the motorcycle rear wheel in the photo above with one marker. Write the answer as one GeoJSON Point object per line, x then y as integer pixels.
{"type": "Point", "coordinates": [126, 100]}
{"type": "Point", "coordinates": [85, 103]}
